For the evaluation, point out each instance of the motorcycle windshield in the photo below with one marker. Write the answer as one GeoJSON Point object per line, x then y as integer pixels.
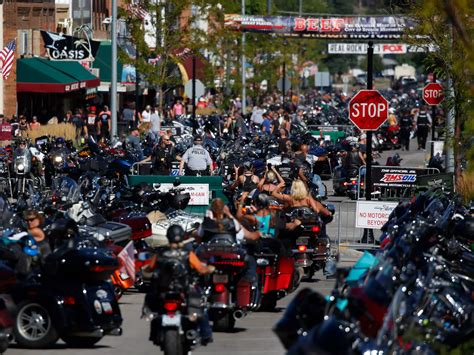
{"type": "Point", "coordinates": [66, 189]}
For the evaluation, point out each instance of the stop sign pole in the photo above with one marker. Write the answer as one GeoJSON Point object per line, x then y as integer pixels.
{"type": "Point", "coordinates": [368, 161]}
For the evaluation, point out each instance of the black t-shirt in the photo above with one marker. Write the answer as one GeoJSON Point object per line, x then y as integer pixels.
{"type": "Point", "coordinates": [163, 158]}
{"type": "Point", "coordinates": [405, 122]}
{"type": "Point", "coordinates": [90, 121]}
{"type": "Point", "coordinates": [104, 120]}
{"type": "Point", "coordinates": [275, 124]}
{"type": "Point", "coordinates": [282, 145]}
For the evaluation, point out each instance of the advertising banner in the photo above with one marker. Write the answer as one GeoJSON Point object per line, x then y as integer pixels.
{"type": "Point", "coordinates": [387, 176]}
{"type": "Point", "coordinates": [379, 48]}
{"type": "Point", "coordinates": [355, 27]}
{"type": "Point", "coordinates": [373, 214]}
{"type": "Point", "coordinates": [63, 47]}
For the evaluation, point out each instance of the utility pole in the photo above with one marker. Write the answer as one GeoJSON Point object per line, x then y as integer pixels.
{"type": "Point", "coordinates": [433, 115]}
{"type": "Point", "coordinates": [244, 93]}
{"type": "Point", "coordinates": [193, 87]}
{"type": "Point", "coordinates": [113, 83]}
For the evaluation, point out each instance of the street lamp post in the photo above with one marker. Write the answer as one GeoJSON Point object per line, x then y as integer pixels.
{"type": "Point", "coordinates": [113, 84]}
{"type": "Point", "coordinates": [244, 93]}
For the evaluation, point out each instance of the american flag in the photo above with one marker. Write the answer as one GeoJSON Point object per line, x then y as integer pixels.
{"type": "Point", "coordinates": [137, 9]}
{"type": "Point", "coordinates": [7, 55]}
{"type": "Point", "coordinates": [127, 257]}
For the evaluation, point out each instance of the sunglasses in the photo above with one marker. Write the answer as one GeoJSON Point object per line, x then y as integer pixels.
{"type": "Point", "coordinates": [31, 219]}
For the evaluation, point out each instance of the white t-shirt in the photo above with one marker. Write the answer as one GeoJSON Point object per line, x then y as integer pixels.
{"type": "Point", "coordinates": [146, 116]}
{"type": "Point", "coordinates": [155, 121]}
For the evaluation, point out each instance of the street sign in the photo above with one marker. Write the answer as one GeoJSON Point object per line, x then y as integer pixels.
{"type": "Point", "coordinates": [200, 89]}
{"type": "Point", "coordinates": [433, 94]}
{"type": "Point", "coordinates": [368, 110]}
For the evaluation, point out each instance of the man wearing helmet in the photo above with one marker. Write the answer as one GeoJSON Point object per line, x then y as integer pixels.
{"type": "Point", "coordinates": [197, 159]}
{"type": "Point", "coordinates": [175, 235]}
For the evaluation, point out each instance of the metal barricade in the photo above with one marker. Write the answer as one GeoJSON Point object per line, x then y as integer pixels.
{"type": "Point", "coordinates": [348, 236]}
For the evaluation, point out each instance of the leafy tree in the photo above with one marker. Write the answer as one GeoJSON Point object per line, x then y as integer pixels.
{"type": "Point", "coordinates": [447, 24]}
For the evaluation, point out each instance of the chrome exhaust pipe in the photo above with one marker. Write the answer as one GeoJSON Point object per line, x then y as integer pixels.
{"type": "Point", "coordinates": [239, 314]}
{"type": "Point", "coordinates": [191, 334]}
{"type": "Point", "coordinates": [281, 294]}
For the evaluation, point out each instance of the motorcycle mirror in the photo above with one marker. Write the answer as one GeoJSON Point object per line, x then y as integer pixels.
{"type": "Point", "coordinates": [176, 182]}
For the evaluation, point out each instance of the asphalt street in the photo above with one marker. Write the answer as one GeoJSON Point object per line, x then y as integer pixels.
{"type": "Point", "coordinates": [253, 334]}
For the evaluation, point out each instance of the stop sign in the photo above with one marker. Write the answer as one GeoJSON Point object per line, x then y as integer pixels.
{"type": "Point", "coordinates": [368, 110]}
{"type": "Point", "coordinates": [433, 94]}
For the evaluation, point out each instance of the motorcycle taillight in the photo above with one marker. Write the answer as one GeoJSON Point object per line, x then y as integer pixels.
{"type": "Point", "coordinates": [316, 229]}
{"type": "Point", "coordinates": [302, 248]}
{"type": "Point", "coordinates": [171, 305]}
{"type": "Point", "coordinates": [219, 288]}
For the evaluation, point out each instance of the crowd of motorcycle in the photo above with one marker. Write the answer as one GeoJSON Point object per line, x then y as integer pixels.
{"type": "Point", "coordinates": [413, 296]}
{"type": "Point", "coordinates": [99, 236]}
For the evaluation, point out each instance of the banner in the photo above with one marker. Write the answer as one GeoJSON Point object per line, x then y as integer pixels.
{"type": "Point", "coordinates": [379, 48]}
{"type": "Point", "coordinates": [386, 176]}
{"type": "Point", "coordinates": [357, 27]}
{"type": "Point", "coordinates": [64, 47]}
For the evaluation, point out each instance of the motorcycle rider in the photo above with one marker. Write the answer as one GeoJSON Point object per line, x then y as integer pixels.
{"type": "Point", "coordinates": [248, 181]}
{"type": "Point", "coordinates": [300, 197]}
{"type": "Point", "coordinates": [22, 151]}
{"type": "Point", "coordinates": [304, 164]}
{"type": "Point", "coordinates": [175, 235]}
{"type": "Point", "coordinates": [267, 182]}
{"type": "Point", "coordinates": [220, 222]}
{"type": "Point", "coordinates": [197, 159]}
{"type": "Point", "coordinates": [133, 143]}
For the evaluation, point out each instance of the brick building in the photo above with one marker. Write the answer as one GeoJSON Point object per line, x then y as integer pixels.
{"type": "Point", "coordinates": [20, 19]}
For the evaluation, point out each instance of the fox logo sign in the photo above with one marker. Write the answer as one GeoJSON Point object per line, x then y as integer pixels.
{"type": "Point", "coordinates": [399, 178]}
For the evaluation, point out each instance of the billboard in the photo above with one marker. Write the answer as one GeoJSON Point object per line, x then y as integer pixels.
{"type": "Point", "coordinates": [64, 47]}
{"type": "Point", "coordinates": [352, 27]}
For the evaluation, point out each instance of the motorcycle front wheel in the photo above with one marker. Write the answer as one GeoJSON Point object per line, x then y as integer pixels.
{"type": "Point", "coordinates": [173, 344]}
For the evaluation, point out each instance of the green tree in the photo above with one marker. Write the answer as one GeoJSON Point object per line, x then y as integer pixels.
{"type": "Point", "coordinates": [440, 22]}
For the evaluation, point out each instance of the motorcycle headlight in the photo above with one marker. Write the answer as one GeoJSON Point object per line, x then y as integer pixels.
{"type": "Point", "coordinates": [21, 167]}
{"type": "Point", "coordinates": [58, 159]}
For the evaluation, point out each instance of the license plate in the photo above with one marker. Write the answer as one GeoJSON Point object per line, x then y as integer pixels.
{"type": "Point", "coordinates": [107, 307]}
{"type": "Point", "coordinates": [220, 279]}
{"type": "Point", "coordinates": [170, 321]}
{"type": "Point", "coordinates": [302, 241]}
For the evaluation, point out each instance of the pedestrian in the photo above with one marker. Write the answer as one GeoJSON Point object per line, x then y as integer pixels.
{"type": "Point", "coordinates": [146, 115]}
{"type": "Point", "coordinates": [178, 109]}
{"type": "Point", "coordinates": [162, 156]}
{"type": "Point", "coordinates": [423, 124]}
{"type": "Point", "coordinates": [90, 124]}
{"type": "Point", "coordinates": [128, 115]}
{"type": "Point", "coordinates": [257, 115]}
{"type": "Point", "coordinates": [197, 159]}
{"type": "Point", "coordinates": [5, 132]}
{"type": "Point", "coordinates": [133, 144]}
{"type": "Point", "coordinates": [35, 124]}
{"type": "Point", "coordinates": [406, 125]}
{"type": "Point", "coordinates": [78, 123]}
{"type": "Point", "coordinates": [266, 124]}
{"type": "Point", "coordinates": [104, 124]}
{"type": "Point", "coordinates": [154, 124]}
{"type": "Point", "coordinates": [67, 118]}
{"type": "Point", "coordinates": [23, 126]}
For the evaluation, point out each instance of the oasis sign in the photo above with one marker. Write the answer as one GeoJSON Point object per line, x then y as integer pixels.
{"type": "Point", "coordinates": [63, 47]}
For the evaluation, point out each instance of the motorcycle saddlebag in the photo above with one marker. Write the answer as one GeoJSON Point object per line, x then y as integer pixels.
{"type": "Point", "coordinates": [118, 233]}
{"type": "Point", "coordinates": [140, 225]}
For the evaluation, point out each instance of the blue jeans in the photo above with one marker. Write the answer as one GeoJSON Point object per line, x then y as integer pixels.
{"type": "Point", "coordinates": [205, 330]}
{"type": "Point", "coordinates": [316, 180]}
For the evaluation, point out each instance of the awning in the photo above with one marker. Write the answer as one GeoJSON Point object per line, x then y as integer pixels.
{"type": "Point", "coordinates": [45, 76]}
{"type": "Point", "coordinates": [102, 62]}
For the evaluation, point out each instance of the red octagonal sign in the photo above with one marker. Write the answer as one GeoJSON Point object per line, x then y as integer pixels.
{"type": "Point", "coordinates": [368, 110]}
{"type": "Point", "coordinates": [433, 94]}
